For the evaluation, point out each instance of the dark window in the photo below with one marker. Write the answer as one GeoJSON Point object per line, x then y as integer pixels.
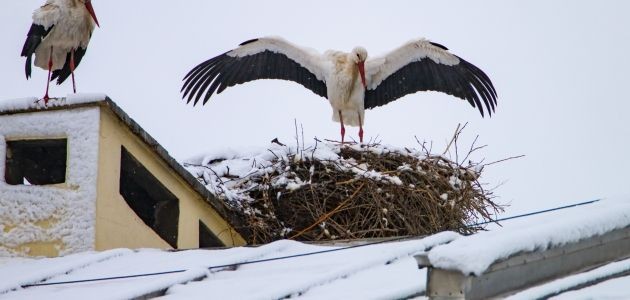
{"type": "Point", "coordinates": [207, 239]}
{"type": "Point", "coordinates": [148, 198]}
{"type": "Point", "coordinates": [36, 162]}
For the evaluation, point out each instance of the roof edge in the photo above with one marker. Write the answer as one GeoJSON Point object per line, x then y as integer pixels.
{"type": "Point", "coordinates": [218, 205]}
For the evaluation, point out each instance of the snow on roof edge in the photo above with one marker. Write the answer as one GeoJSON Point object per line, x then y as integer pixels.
{"type": "Point", "coordinates": [476, 253]}
{"type": "Point", "coordinates": [29, 104]}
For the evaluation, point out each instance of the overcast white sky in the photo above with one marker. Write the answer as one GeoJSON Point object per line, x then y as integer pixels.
{"type": "Point", "coordinates": [560, 69]}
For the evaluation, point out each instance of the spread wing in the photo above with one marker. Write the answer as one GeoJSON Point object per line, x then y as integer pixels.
{"type": "Point", "coordinates": [264, 58]}
{"type": "Point", "coordinates": [425, 66]}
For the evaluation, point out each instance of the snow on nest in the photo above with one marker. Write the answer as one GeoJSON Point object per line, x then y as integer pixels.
{"type": "Point", "coordinates": [474, 254]}
{"type": "Point", "coordinates": [34, 103]}
{"type": "Point", "coordinates": [285, 191]}
{"type": "Point", "coordinates": [230, 174]}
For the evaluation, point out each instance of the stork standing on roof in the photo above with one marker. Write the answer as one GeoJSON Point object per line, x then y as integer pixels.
{"type": "Point", "coordinates": [350, 81]}
{"type": "Point", "coordinates": [59, 37]}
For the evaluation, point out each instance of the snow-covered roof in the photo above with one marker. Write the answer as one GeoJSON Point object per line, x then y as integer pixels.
{"type": "Point", "coordinates": [382, 270]}
{"type": "Point", "coordinates": [339, 274]}
{"type": "Point", "coordinates": [28, 104]}
{"type": "Point", "coordinates": [475, 253]}
{"type": "Point", "coordinates": [71, 101]}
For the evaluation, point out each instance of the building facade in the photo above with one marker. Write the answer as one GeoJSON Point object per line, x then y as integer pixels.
{"type": "Point", "coordinates": [81, 175]}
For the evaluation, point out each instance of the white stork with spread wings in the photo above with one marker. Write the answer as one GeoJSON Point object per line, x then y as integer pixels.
{"type": "Point", "coordinates": [59, 37]}
{"type": "Point", "coordinates": [349, 81]}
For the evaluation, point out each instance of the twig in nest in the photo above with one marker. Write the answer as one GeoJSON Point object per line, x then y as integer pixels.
{"type": "Point", "coordinates": [328, 215]}
{"type": "Point", "coordinates": [276, 141]}
{"type": "Point", "coordinates": [502, 160]}
{"type": "Point", "coordinates": [423, 145]}
{"type": "Point", "coordinates": [455, 135]}
{"type": "Point", "coordinates": [274, 154]}
{"type": "Point", "coordinates": [472, 149]}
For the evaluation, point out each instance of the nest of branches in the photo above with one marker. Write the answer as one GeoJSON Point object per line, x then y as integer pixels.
{"type": "Point", "coordinates": [367, 191]}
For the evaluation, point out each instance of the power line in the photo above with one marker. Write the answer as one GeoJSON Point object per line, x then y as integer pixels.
{"type": "Point", "coordinates": [234, 265]}
{"type": "Point", "coordinates": [102, 279]}
{"type": "Point", "coordinates": [534, 213]}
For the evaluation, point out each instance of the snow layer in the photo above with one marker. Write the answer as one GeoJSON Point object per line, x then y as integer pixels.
{"type": "Point", "coordinates": [611, 289]}
{"type": "Point", "coordinates": [475, 253]}
{"type": "Point", "coordinates": [34, 103]}
{"type": "Point", "coordinates": [19, 104]}
{"type": "Point", "coordinates": [230, 174]}
{"type": "Point", "coordinates": [602, 289]}
{"type": "Point", "coordinates": [67, 209]}
{"type": "Point", "coordinates": [322, 276]}
{"type": "Point", "coordinates": [28, 271]}
{"type": "Point", "coordinates": [372, 284]}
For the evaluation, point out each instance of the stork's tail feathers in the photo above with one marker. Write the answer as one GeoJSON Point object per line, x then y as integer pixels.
{"type": "Point", "coordinates": [62, 74]}
{"type": "Point", "coordinates": [27, 67]}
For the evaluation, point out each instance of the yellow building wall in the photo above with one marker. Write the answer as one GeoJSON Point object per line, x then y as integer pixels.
{"type": "Point", "coordinates": [116, 223]}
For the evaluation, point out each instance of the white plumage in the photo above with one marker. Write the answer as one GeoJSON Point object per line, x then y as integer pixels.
{"type": "Point", "coordinates": [344, 87]}
{"type": "Point", "coordinates": [59, 37]}
{"type": "Point", "coordinates": [350, 81]}
{"type": "Point", "coordinates": [336, 68]}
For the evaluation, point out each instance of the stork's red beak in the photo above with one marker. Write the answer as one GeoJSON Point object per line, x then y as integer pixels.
{"type": "Point", "coordinates": [90, 9]}
{"type": "Point", "coordinates": [361, 66]}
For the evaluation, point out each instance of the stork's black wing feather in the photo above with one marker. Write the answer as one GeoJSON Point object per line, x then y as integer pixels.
{"type": "Point", "coordinates": [463, 80]}
{"type": "Point", "coordinates": [34, 37]}
{"type": "Point", "coordinates": [62, 74]}
{"type": "Point", "coordinates": [218, 73]}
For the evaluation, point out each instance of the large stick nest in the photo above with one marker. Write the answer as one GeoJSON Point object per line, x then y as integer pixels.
{"type": "Point", "coordinates": [349, 192]}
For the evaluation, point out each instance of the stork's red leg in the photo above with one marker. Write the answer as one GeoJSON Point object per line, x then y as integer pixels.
{"type": "Point", "coordinates": [74, 84]}
{"type": "Point", "coordinates": [343, 128]}
{"type": "Point", "coordinates": [360, 128]}
{"type": "Point", "coordinates": [50, 64]}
